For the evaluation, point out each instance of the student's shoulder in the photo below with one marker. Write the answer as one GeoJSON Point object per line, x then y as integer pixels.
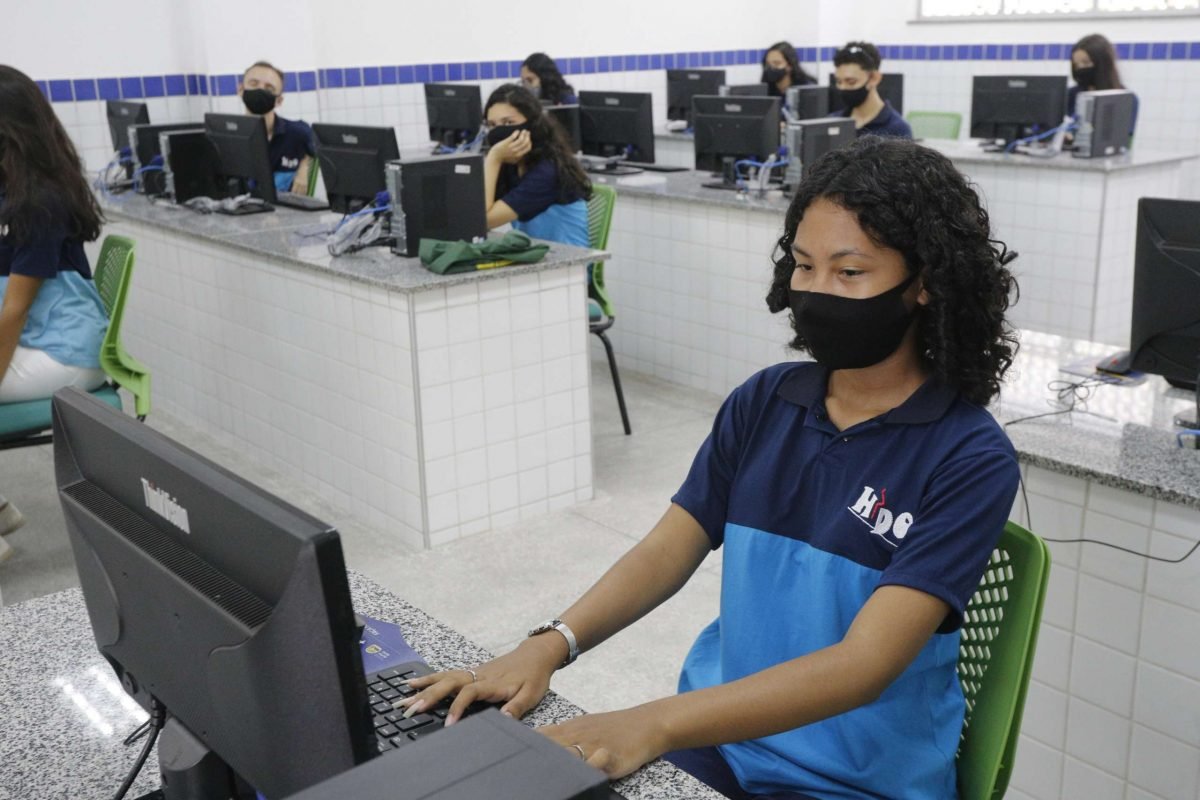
{"type": "Point", "coordinates": [791, 377]}
{"type": "Point", "coordinates": [295, 127]}
{"type": "Point", "coordinates": [975, 430]}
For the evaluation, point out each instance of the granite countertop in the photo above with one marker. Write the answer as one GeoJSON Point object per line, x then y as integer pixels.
{"type": "Point", "coordinates": [1121, 436]}
{"type": "Point", "coordinates": [63, 714]}
{"type": "Point", "coordinates": [297, 238]}
{"type": "Point", "coordinates": [969, 152]}
{"type": "Point", "coordinates": [688, 187]}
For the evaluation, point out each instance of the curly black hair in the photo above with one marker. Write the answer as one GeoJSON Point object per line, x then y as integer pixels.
{"type": "Point", "coordinates": [912, 199]}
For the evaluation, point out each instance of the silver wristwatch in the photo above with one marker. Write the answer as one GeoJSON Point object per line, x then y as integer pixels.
{"type": "Point", "coordinates": [561, 627]}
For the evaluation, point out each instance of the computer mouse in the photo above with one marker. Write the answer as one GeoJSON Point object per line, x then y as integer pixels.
{"type": "Point", "coordinates": [1118, 363]}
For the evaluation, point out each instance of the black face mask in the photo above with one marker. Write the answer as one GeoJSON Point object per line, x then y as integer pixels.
{"type": "Point", "coordinates": [853, 98]}
{"type": "Point", "coordinates": [1084, 76]}
{"type": "Point", "coordinates": [845, 333]}
{"type": "Point", "coordinates": [775, 74]}
{"type": "Point", "coordinates": [501, 132]}
{"type": "Point", "coordinates": [258, 101]}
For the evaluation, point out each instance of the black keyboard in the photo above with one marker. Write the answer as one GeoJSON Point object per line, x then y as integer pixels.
{"type": "Point", "coordinates": [392, 730]}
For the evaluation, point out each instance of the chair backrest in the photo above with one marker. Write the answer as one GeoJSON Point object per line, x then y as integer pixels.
{"type": "Point", "coordinates": [934, 124]}
{"type": "Point", "coordinates": [112, 275]}
{"type": "Point", "coordinates": [998, 639]}
{"type": "Point", "coordinates": [600, 213]}
{"type": "Point", "coordinates": [314, 172]}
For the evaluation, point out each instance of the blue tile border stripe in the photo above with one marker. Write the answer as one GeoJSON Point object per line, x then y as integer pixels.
{"type": "Point", "coordinates": [137, 87]}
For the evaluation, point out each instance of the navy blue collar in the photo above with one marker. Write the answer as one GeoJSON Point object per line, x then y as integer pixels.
{"type": "Point", "coordinates": [880, 120]}
{"type": "Point", "coordinates": [806, 387]}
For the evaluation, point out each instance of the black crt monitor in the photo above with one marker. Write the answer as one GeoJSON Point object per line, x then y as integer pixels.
{"type": "Point", "coordinates": [121, 115]}
{"type": "Point", "coordinates": [568, 118]}
{"type": "Point", "coordinates": [353, 159]}
{"type": "Point", "coordinates": [454, 112]}
{"type": "Point", "coordinates": [245, 161]}
{"type": "Point", "coordinates": [745, 90]}
{"type": "Point", "coordinates": [808, 102]}
{"type": "Point", "coordinates": [891, 89]}
{"type": "Point", "coordinates": [439, 197]}
{"type": "Point", "coordinates": [146, 142]}
{"type": "Point", "coordinates": [1010, 107]}
{"type": "Point", "coordinates": [734, 128]}
{"type": "Point", "coordinates": [192, 165]}
{"type": "Point", "coordinates": [617, 124]}
{"type": "Point", "coordinates": [215, 601]}
{"type": "Point", "coordinates": [1165, 335]}
{"type": "Point", "coordinates": [684, 84]}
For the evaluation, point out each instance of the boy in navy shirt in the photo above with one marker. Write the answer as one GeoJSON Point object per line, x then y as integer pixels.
{"type": "Point", "coordinates": [291, 142]}
{"type": "Point", "coordinates": [858, 500]}
{"type": "Point", "coordinates": [857, 78]}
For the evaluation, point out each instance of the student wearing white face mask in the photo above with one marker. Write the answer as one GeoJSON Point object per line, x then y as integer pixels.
{"type": "Point", "coordinates": [541, 76]}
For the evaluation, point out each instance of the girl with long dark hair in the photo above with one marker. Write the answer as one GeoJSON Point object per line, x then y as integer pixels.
{"type": "Point", "coordinates": [540, 75]}
{"type": "Point", "coordinates": [1094, 68]}
{"type": "Point", "coordinates": [781, 69]}
{"type": "Point", "coordinates": [532, 178]}
{"type": "Point", "coordinates": [857, 499]}
{"type": "Point", "coordinates": [51, 319]}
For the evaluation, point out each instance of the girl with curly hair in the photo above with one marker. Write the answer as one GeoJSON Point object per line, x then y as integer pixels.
{"type": "Point", "coordinates": [531, 176]}
{"type": "Point", "coordinates": [540, 75]}
{"type": "Point", "coordinates": [857, 499]}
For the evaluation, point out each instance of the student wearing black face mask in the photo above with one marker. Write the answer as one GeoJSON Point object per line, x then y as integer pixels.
{"type": "Point", "coordinates": [781, 70]}
{"type": "Point", "coordinates": [291, 143]}
{"type": "Point", "coordinates": [531, 177]}
{"type": "Point", "coordinates": [540, 75]}
{"type": "Point", "coordinates": [856, 500]}
{"type": "Point", "coordinates": [857, 78]}
{"type": "Point", "coordinates": [1094, 68]}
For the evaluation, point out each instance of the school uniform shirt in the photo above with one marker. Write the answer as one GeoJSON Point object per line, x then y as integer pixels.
{"type": "Point", "coordinates": [67, 320]}
{"type": "Point", "coordinates": [812, 521]}
{"type": "Point", "coordinates": [291, 141]}
{"type": "Point", "coordinates": [544, 210]}
{"type": "Point", "coordinates": [886, 123]}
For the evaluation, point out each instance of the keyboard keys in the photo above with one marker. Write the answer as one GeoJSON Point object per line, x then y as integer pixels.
{"type": "Point", "coordinates": [388, 731]}
{"type": "Point", "coordinates": [390, 694]}
{"type": "Point", "coordinates": [421, 732]}
{"type": "Point", "coordinates": [394, 717]}
{"type": "Point", "coordinates": [381, 708]}
{"type": "Point", "coordinates": [418, 721]}
{"type": "Point", "coordinates": [441, 713]}
{"type": "Point", "coordinates": [386, 674]}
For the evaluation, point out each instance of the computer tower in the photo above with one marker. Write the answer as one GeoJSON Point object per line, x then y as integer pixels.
{"type": "Point", "coordinates": [146, 143]}
{"type": "Point", "coordinates": [440, 197]}
{"type": "Point", "coordinates": [1105, 123]}
{"type": "Point", "coordinates": [190, 166]}
{"type": "Point", "coordinates": [809, 139]}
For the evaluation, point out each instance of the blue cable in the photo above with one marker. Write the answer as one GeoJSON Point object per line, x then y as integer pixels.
{"type": "Point", "coordinates": [1186, 432]}
{"type": "Point", "coordinates": [1070, 126]}
{"type": "Point", "coordinates": [749, 162]}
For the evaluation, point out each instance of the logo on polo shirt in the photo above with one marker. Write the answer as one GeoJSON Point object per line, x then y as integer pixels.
{"type": "Point", "coordinates": [165, 506]}
{"type": "Point", "coordinates": [871, 510]}
{"type": "Point", "coordinates": [289, 163]}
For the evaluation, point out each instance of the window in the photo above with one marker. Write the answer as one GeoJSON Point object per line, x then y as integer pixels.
{"type": "Point", "coordinates": [1015, 9]}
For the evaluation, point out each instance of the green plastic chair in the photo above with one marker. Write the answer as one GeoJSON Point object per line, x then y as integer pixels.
{"type": "Point", "coordinates": [601, 314]}
{"type": "Point", "coordinates": [26, 424]}
{"type": "Point", "coordinates": [314, 172]}
{"type": "Point", "coordinates": [934, 124]}
{"type": "Point", "coordinates": [998, 639]}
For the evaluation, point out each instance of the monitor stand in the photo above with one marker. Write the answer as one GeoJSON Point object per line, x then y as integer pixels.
{"type": "Point", "coordinates": [190, 771]}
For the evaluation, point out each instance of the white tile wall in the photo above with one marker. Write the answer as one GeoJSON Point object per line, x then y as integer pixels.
{"type": "Point", "coordinates": [1114, 703]}
{"type": "Point", "coordinates": [379, 402]}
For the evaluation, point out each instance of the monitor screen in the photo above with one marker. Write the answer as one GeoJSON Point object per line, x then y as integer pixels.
{"type": "Point", "coordinates": [226, 605]}
{"type": "Point", "coordinates": [454, 111]}
{"type": "Point", "coordinates": [684, 84]}
{"type": "Point", "coordinates": [353, 159]}
{"type": "Point", "coordinates": [734, 127]}
{"type": "Point", "coordinates": [1010, 107]}
{"type": "Point", "coordinates": [617, 124]}
{"type": "Point", "coordinates": [568, 119]}
{"type": "Point", "coordinates": [1165, 338]}
{"type": "Point", "coordinates": [241, 143]}
{"type": "Point", "coordinates": [121, 114]}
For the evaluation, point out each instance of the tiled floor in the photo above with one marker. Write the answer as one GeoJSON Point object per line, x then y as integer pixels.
{"type": "Point", "coordinates": [493, 586]}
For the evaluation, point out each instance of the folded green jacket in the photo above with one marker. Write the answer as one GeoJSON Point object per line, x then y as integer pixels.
{"type": "Point", "coordinates": [447, 258]}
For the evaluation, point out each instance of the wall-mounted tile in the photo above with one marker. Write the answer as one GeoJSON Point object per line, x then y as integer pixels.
{"type": "Point", "coordinates": [84, 89]}
{"type": "Point", "coordinates": [131, 88]}
{"type": "Point", "coordinates": [153, 86]}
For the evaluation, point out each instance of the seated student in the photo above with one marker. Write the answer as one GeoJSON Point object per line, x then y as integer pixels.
{"type": "Point", "coordinates": [51, 320]}
{"type": "Point", "coordinates": [292, 144]}
{"type": "Point", "coordinates": [531, 177]}
{"type": "Point", "coordinates": [540, 75]}
{"type": "Point", "coordinates": [857, 78]}
{"type": "Point", "coordinates": [781, 70]}
{"type": "Point", "coordinates": [858, 500]}
{"type": "Point", "coordinates": [1094, 67]}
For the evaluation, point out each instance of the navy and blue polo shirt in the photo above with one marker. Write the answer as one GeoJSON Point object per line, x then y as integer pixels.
{"type": "Point", "coordinates": [813, 520]}
{"type": "Point", "coordinates": [67, 320]}
{"type": "Point", "coordinates": [545, 209]}
{"type": "Point", "coordinates": [886, 123]}
{"type": "Point", "coordinates": [291, 141]}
